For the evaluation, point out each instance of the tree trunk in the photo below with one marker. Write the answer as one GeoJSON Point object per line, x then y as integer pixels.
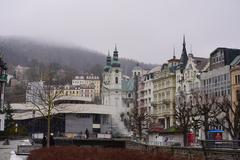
{"type": "Point", "coordinates": [185, 139]}
{"type": "Point", "coordinates": [48, 130]}
{"type": "Point", "coordinates": [206, 127]}
{"type": "Point", "coordinates": [140, 131]}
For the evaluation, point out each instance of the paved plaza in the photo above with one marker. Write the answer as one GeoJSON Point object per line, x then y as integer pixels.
{"type": "Point", "coordinates": [5, 150]}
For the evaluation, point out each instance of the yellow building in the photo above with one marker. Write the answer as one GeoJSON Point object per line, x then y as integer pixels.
{"type": "Point", "coordinates": [164, 88]}
{"type": "Point", "coordinates": [235, 84]}
{"type": "Point", "coordinates": [84, 91]}
{"type": "Point", "coordinates": [88, 80]}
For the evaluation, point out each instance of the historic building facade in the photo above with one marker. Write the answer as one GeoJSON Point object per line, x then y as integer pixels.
{"type": "Point", "coordinates": [188, 76]}
{"type": "Point", "coordinates": [145, 91]}
{"type": "Point", "coordinates": [117, 90]}
{"type": "Point", "coordinates": [235, 81]}
{"type": "Point", "coordinates": [164, 88]}
{"type": "Point", "coordinates": [88, 80]}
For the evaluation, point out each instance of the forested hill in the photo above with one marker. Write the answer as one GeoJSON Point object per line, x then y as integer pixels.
{"type": "Point", "coordinates": [23, 51]}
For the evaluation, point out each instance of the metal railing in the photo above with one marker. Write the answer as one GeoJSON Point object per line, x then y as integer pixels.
{"type": "Point", "coordinates": [234, 144]}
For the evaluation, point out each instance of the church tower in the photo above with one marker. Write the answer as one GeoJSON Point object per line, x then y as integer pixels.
{"type": "Point", "coordinates": [112, 81]}
{"type": "Point", "coordinates": [184, 57]}
{"type": "Point", "coordinates": [116, 72]}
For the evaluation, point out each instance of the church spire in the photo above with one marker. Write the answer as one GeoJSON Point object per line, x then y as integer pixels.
{"type": "Point", "coordinates": [109, 59]}
{"type": "Point", "coordinates": [115, 62]}
{"type": "Point", "coordinates": [184, 57]}
{"type": "Point", "coordinates": [115, 49]}
{"type": "Point", "coordinates": [184, 42]}
{"type": "Point", "coordinates": [115, 53]}
{"type": "Point", "coordinates": [108, 62]}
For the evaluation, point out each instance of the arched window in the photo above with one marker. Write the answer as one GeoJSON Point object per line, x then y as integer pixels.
{"type": "Point", "coordinates": [116, 80]}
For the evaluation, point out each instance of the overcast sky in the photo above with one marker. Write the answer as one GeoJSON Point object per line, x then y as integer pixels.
{"type": "Point", "coordinates": [145, 30]}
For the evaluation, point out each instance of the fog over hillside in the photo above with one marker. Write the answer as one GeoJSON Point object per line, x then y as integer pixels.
{"type": "Point", "coordinates": [18, 50]}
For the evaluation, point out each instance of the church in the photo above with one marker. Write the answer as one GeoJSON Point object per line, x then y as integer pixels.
{"type": "Point", "coordinates": [117, 90]}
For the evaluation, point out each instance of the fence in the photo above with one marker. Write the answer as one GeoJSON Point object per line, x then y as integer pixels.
{"type": "Point", "coordinates": [235, 144]}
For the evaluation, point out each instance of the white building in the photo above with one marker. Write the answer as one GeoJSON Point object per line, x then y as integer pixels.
{"type": "Point", "coordinates": [117, 90]}
{"type": "Point", "coordinates": [188, 77]}
{"type": "Point", "coordinates": [34, 90]}
{"type": "Point", "coordinates": [145, 89]}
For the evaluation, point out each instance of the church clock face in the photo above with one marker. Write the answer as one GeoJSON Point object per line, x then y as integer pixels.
{"type": "Point", "coordinates": [116, 71]}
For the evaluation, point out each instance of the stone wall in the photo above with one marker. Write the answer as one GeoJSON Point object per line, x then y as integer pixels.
{"type": "Point", "coordinates": [189, 153]}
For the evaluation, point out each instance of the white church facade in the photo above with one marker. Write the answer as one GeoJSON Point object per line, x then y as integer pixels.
{"type": "Point", "coordinates": [117, 90]}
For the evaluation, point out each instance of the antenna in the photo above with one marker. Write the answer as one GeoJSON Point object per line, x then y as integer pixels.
{"type": "Point", "coordinates": [174, 56]}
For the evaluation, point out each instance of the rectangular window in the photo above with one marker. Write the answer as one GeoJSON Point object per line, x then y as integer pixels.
{"type": "Point", "coordinates": [96, 119]}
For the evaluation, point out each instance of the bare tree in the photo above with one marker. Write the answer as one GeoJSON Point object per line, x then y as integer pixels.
{"type": "Point", "coordinates": [137, 120]}
{"type": "Point", "coordinates": [231, 116]}
{"type": "Point", "coordinates": [183, 115]}
{"type": "Point", "coordinates": [208, 111]}
{"type": "Point", "coordinates": [43, 97]}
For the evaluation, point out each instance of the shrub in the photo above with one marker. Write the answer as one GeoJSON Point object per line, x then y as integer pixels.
{"type": "Point", "coordinates": [78, 153]}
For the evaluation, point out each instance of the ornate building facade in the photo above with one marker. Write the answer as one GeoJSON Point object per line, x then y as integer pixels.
{"type": "Point", "coordinates": [117, 90]}
{"type": "Point", "coordinates": [88, 80]}
{"type": "Point", "coordinates": [188, 73]}
{"type": "Point", "coordinates": [235, 81]}
{"type": "Point", "coordinates": [164, 88]}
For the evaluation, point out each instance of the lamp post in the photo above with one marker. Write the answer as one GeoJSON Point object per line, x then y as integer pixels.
{"type": "Point", "coordinates": [16, 128]}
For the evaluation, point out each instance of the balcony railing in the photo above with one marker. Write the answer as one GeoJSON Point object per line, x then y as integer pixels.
{"type": "Point", "coordinates": [3, 78]}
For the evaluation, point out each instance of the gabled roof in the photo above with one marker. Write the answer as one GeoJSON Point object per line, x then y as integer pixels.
{"type": "Point", "coordinates": [155, 69]}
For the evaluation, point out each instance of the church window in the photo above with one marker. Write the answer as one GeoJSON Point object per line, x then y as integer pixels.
{"type": "Point", "coordinates": [116, 80]}
{"type": "Point", "coordinates": [116, 71]}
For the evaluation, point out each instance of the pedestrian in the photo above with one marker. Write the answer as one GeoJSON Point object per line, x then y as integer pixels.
{"type": "Point", "coordinates": [52, 143]}
{"type": "Point", "coordinates": [87, 133]}
{"type": "Point", "coordinates": [44, 141]}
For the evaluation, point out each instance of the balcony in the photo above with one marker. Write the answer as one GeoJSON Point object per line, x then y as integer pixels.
{"type": "Point", "coordinates": [3, 78]}
{"type": "Point", "coordinates": [154, 103]}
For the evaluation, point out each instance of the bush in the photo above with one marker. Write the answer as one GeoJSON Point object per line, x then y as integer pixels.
{"type": "Point", "coordinates": [78, 153]}
{"type": "Point", "coordinates": [21, 131]}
